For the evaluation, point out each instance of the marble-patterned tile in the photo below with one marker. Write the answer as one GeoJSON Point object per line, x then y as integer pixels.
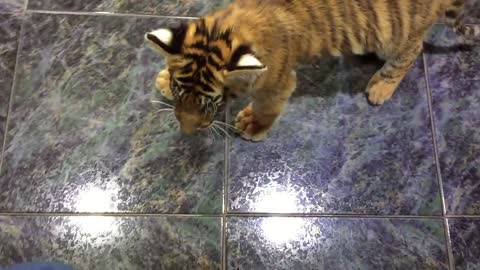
{"type": "Point", "coordinates": [71, 5]}
{"type": "Point", "coordinates": [472, 11]}
{"type": "Point", "coordinates": [329, 243]}
{"type": "Point", "coordinates": [332, 152]}
{"type": "Point", "coordinates": [11, 6]}
{"type": "Point", "coordinates": [84, 135]}
{"type": "Point", "coordinates": [454, 74]}
{"type": "Point", "coordinates": [89, 242]}
{"type": "Point", "coordinates": [169, 7]}
{"type": "Point", "coordinates": [162, 7]}
{"type": "Point", "coordinates": [9, 32]}
{"type": "Point", "coordinates": [465, 237]}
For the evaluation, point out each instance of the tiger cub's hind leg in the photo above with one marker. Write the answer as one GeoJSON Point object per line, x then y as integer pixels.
{"type": "Point", "coordinates": [384, 83]}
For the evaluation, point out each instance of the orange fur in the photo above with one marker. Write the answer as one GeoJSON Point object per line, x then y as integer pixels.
{"type": "Point", "coordinates": [282, 33]}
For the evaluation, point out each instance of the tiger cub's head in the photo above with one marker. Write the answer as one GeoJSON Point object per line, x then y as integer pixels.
{"type": "Point", "coordinates": [203, 60]}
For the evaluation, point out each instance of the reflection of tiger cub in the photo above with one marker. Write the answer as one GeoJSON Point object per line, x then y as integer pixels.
{"type": "Point", "coordinates": [254, 45]}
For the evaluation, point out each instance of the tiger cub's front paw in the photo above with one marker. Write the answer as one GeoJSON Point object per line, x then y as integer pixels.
{"type": "Point", "coordinates": [250, 127]}
{"type": "Point", "coordinates": [163, 84]}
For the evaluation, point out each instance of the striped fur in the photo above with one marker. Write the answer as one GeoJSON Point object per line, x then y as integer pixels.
{"type": "Point", "coordinates": [252, 47]}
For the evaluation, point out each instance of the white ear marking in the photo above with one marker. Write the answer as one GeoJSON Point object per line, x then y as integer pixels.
{"type": "Point", "coordinates": [249, 60]}
{"type": "Point", "coordinates": [164, 35]}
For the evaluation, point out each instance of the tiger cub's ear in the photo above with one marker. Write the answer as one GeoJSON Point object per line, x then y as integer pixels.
{"type": "Point", "coordinates": [244, 62]}
{"type": "Point", "coordinates": [167, 41]}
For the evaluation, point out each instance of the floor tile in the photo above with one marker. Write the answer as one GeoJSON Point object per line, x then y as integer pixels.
{"type": "Point", "coordinates": [328, 243]}
{"type": "Point", "coordinates": [73, 5]}
{"type": "Point", "coordinates": [455, 82]}
{"type": "Point", "coordinates": [472, 11]}
{"type": "Point", "coordinates": [169, 7]}
{"type": "Point", "coordinates": [162, 7]}
{"type": "Point", "coordinates": [9, 32]}
{"type": "Point", "coordinates": [11, 6]}
{"type": "Point", "coordinates": [112, 242]}
{"type": "Point", "coordinates": [84, 135]}
{"type": "Point", "coordinates": [332, 152]}
{"type": "Point", "coordinates": [465, 237]}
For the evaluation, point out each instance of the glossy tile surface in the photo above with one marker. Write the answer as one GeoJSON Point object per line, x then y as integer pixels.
{"type": "Point", "coordinates": [332, 152]}
{"type": "Point", "coordinates": [112, 243]}
{"type": "Point", "coordinates": [11, 6]}
{"type": "Point", "coordinates": [9, 32]}
{"type": "Point", "coordinates": [315, 243]}
{"type": "Point", "coordinates": [472, 11]}
{"type": "Point", "coordinates": [465, 234]}
{"type": "Point", "coordinates": [158, 7]}
{"type": "Point", "coordinates": [455, 82]}
{"type": "Point", "coordinates": [84, 135]}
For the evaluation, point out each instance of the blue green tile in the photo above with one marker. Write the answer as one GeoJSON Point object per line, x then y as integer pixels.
{"type": "Point", "coordinates": [332, 152]}
{"type": "Point", "coordinates": [330, 243]}
{"type": "Point", "coordinates": [84, 135]}
{"type": "Point", "coordinates": [154, 7]}
{"type": "Point", "coordinates": [9, 34]}
{"type": "Point", "coordinates": [465, 238]}
{"type": "Point", "coordinates": [123, 243]}
{"type": "Point", "coordinates": [455, 83]}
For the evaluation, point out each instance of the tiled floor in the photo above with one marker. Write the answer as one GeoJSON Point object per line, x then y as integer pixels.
{"type": "Point", "coordinates": [92, 175]}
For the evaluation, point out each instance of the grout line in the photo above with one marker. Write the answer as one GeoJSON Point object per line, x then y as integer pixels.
{"type": "Point", "coordinates": [65, 214]}
{"type": "Point", "coordinates": [227, 215]}
{"type": "Point", "coordinates": [434, 136]}
{"type": "Point", "coordinates": [448, 244]}
{"type": "Point", "coordinates": [451, 259]}
{"type": "Point", "coordinates": [25, 6]}
{"type": "Point", "coordinates": [99, 13]}
{"type": "Point", "coordinates": [12, 88]}
{"type": "Point", "coordinates": [463, 216]}
{"type": "Point", "coordinates": [225, 190]}
{"type": "Point", "coordinates": [315, 215]}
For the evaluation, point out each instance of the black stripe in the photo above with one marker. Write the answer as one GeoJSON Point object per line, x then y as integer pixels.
{"type": "Point", "coordinates": [345, 46]}
{"type": "Point", "coordinates": [199, 59]}
{"type": "Point", "coordinates": [217, 98]}
{"type": "Point", "coordinates": [214, 31]}
{"type": "Point", "coordinates": [209, 72]}
{"type": "Point", "coordinates": [356, 23]}
{"type": "Point", "coordinates": [313, 24]}
{"type": "Point", "coordinates": [201, 28]}
{"type": "Point", "coordinates": [211, 61]}
{"type": "Point", "coordinates": [215, 50]}
{"type": "Point", "coordinates": [208, 75]}
{"type": "Point", "coordinates": [188, 68]}
{"type": "Point", "coordinates": [372, 25]}
{"type": "Point", "coordinates": [186, 80]}
{"type": "Point", "coordinates": [226, 36]}
{"type": "Point", "coordinates": [200, 45]}
{"type": "Point", "coordinates": [458, 3]}
{"type": "Point", "coordinates": [283, 64]}
{"type": "Point", "coordinates": [395, 18]}
{"type": "Point", "coordinates": [331, 28]}
{"type": "Point", "coordinates": [452, 14]}
{"type": "Point", "coordinates": [205, 87]}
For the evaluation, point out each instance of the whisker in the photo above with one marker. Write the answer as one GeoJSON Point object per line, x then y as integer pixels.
{"type": "Point", "coordinates": [210, 134]}
{"type": "Point", "coordinates": [222, 129]}
{"type": "Point", "coordinates": [161, 102]}
{"type": "Point", "coordinates": [217, 132]}
{"type": "Point", "coordinates": [165, 110]}
{"type": "Point", "coordinates": [227, 125]}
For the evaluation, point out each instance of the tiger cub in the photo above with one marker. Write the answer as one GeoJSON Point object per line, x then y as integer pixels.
{"type": "Point", "coordinates": [252, 47]}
